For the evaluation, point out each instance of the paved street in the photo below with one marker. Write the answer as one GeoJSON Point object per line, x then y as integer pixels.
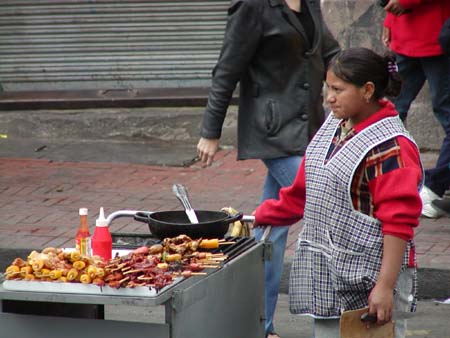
{"type": "Point", "coordinates": [40, 197]}
{"type": "Point", "coordinates": [431, 320]}
{"type": "Point", "coordinates": [41, 193]}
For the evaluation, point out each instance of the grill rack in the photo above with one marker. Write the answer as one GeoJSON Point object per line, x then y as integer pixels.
{"type": "Point", "coordinates": [132, 241]}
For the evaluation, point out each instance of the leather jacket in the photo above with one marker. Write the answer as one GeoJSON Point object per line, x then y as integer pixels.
{"type": "Point", "coordinates": [280, 75]}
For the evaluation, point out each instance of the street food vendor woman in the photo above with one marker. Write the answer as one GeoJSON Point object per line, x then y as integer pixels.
{"type": "Point", "coordinates": [357, 191]}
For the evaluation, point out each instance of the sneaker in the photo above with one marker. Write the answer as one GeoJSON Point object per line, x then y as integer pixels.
{"type": "Point", "coordinates": [428, 210]}
{"type": "Point", "coordinates": [442, 205]}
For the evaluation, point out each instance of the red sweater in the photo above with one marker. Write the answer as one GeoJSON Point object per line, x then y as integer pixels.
{"type": "Point", "coordinates": [396, 205]}
{"type": "Point", "coordinates": [415, 33]}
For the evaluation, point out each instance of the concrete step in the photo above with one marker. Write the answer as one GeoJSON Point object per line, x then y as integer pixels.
{"type": "Point", "coordinates": [105, 98]}
{"type": "Point", "coordinates": [159, 153]}
{"type": "Point", "coordinates": [139, 125]}
{"type": "Point", "coordinates": [154, 135]}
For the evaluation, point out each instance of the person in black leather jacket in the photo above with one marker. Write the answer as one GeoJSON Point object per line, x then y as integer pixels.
{"type": "Point", "coordinates": [277, 50]}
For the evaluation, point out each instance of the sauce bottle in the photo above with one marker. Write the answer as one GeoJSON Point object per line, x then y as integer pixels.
{"type": "Point", "coordinates": [102, 240]}
{"type": "Point", "coordinates": [83, 236]}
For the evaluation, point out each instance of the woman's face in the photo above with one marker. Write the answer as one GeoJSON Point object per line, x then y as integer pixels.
{"type": "Point", "coordinates": [346, 100]}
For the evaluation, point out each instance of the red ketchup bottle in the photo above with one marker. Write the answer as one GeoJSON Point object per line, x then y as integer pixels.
{"type": "Point", "coordinates": [102, 240]}
{"type": "Point", "coordinates": [83, 237]}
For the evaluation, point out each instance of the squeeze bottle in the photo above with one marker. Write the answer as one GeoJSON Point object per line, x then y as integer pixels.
{"type": "Point", "coordinates": [102, 240]}
{"type": "Point", "coordinates": [83, 236]}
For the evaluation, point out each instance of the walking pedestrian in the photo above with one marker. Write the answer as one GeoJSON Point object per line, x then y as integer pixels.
{"type": "Point", "coordinates": [357, 191]}
{"type": "Point", "coordinates": [411, 29]}
{"type": "Point", "coordinates": [278, 51]}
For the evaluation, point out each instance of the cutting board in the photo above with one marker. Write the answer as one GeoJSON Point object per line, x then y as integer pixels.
{"type": "Point", "coordinates": [351, 326]}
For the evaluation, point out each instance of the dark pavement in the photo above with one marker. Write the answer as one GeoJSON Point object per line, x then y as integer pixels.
{"type": "Point", "coordinates": [43, 183]}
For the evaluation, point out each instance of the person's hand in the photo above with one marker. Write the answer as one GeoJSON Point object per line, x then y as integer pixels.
{"type": "Point", "coordinates": [395, 7]}
{"type": "Point", "coordinates": [386, 36]}
{"type": "Point", "coordinates": [206, 149]}
{"type": "Point", "coordinates": [381, 303]}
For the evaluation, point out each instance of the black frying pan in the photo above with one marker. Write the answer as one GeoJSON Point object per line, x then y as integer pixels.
{"type": "Point", "coordinates": [212, 224]}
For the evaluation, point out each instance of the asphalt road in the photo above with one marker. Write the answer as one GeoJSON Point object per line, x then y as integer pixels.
{"type": "Point", "coordinates": [432, 319]}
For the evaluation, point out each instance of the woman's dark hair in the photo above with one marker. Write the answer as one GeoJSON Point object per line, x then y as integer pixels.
{"type": "Point", "coordinates": [361, 65]}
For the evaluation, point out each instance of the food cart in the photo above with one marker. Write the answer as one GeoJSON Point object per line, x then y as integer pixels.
{"type": "Point", "coordinates": [228, 302]}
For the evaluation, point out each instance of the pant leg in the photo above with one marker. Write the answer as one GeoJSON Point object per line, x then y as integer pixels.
{"type": "Point", "coordinates": [402, 300]}
{"type": "Point", "coordinates": [273, 273]}
{"type": "Point", "coordinates": [326, 328]}
{"type": "Point", "coordinates": [410, 70]}
{"type": "Point", "coordinates": [281, 173]}
{"type": "Point", "coordinates": [437, 71]}
{"type": "Point", "coordinates": [329, 328]}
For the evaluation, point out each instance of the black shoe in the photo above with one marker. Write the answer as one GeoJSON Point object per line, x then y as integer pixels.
{"type": "Point", "coordinates": [442, 205]}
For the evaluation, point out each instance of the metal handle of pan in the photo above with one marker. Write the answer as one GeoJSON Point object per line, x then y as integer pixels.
{"type": "Point", "coordinates": [123, 213]}
{"type": "Point", "coordinates": [132, 213]}
{"type": "Point", "coordinates": [267, 229]}
{"type": "Point", "coordinates": [248, 218]}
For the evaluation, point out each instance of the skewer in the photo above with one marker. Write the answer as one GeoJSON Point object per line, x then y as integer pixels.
{"type": "Point", "coordinates": [145, 278]}
{"type": "Point", "coordinates": [224, 241]}
{"type": "Point", "coordinates": [138, 284]}
{"type": "Point", "coordinates": [212, 260]}
{"type": "Point", "coordinates": [213, 243]}
{"type": "Point", "coordinates": [124, 280]}
{"type": "Point", "coordinates": [113, 262]}
{"type": "Point", "coordinates": [131, 271]}
{"type": "Point", "coordinates": [206, 254]}
{"type": "Point", "coordinates": [120, 266]}
{"type": "Point", "coordinates": [116, 269]}
{"type": "Point", "coordinates": [187, 272]}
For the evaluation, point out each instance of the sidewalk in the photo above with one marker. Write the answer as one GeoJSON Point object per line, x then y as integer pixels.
{"type": "Point", "coordinates": [40, 198]}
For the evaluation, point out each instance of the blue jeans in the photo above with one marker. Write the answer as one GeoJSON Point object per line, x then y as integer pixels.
{"type": "Point", "coordinates": [281, 173]}
{"type": "Point", "coordinates": [436, 70]}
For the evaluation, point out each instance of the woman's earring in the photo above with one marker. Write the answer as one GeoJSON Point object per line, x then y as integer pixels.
{"type": "Point", "coordinates": [367, 99]}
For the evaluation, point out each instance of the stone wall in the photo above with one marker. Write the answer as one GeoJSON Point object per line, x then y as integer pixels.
{"type": "Point", "coordinates": [358, 23]}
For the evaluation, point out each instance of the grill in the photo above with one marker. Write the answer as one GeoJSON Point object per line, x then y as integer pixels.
{"type": "Point", "coordinates": [227, 302]}
{"type": "Point", "coordinates": [129, 241]}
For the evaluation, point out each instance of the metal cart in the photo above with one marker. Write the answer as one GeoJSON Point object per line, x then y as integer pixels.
{"type": "Point", "coordinates": [226, 303]}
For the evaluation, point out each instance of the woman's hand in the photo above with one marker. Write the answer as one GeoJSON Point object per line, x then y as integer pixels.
{"type": "Point", "coordinates": [381, 299]}
{"type": "Point", "coordinates": [207, 149]}
{"type": "Point", "coordinates": [381, 303]}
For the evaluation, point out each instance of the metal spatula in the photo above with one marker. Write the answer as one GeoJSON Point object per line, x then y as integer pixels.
{"type": "Point", "coordinates": [181, 192]}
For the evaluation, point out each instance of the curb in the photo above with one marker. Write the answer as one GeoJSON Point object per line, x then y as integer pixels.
{"type": "Point", "coordinates": [433, 283]}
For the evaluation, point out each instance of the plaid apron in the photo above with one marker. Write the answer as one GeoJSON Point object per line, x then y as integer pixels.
{"type": "Point", "coordinates": [338, 256]}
